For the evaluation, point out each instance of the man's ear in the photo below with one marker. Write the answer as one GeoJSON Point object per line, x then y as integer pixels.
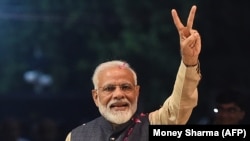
{"type": "Point", "coordinates": [137, 90]}
{"type": "Point", "coordinates": [95, 97]}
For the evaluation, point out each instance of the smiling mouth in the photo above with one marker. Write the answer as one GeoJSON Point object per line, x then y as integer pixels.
{"type": "Point", "coordinates": [119, 106]}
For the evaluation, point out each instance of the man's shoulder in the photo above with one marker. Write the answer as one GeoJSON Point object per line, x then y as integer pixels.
{"type": "Point", "coordinates": [87, 125]}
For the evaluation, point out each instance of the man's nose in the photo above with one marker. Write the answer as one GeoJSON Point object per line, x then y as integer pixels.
{"type": "Point", "coordinates": [118, 93]}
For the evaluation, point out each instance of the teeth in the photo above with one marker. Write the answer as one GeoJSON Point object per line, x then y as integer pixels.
{"type": "Point", "coordinates": [118, 105]}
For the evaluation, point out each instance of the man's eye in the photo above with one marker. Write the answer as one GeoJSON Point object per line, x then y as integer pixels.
{"type": "Point", "coordinates": [126, 87]}
{"type": "Point", "coordinates": [109, 88]}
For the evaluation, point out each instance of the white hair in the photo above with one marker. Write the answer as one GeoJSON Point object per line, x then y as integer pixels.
{"type": "Point", "coordinates": [110, 64]}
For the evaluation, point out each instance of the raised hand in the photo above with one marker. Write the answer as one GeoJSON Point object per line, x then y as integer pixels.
{"type": "Point", "coordinates": [190, 41]}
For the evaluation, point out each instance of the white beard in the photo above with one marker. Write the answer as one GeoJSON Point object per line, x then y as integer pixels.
{"type": "Point", "coordinates": [117, 117]}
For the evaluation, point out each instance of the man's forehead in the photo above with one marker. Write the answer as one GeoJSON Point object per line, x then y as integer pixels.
{"type": "Point", "coordinates": [116, 74]}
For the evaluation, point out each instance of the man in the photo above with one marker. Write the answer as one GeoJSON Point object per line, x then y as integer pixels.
{"type": "Point", "coordinates": [116, 94]}
{"type": "Point", "coordinates": [230, 108]}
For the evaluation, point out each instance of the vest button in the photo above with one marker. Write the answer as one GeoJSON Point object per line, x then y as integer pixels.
{"type": "Point", "coordinates": [112, 138]}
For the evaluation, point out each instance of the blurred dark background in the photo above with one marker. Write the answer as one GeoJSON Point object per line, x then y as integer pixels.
{"type": "Point", "coordinates": [49, 49]}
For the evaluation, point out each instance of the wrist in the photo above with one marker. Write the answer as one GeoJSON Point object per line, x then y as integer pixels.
{"type": "Point", "coordinates": [193, 64]}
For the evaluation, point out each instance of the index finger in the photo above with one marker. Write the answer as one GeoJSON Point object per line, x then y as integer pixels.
{"type": "Point", "coordinates": [191, 17]}
{"type": "Point", "coordinates": [177, 20]}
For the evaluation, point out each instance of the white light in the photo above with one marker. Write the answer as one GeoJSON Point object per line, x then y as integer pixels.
{"type": "Point", "coordinates": [216, 110]}
{"type": "Point", "coordinates": [44, 80]}
{"type": "Point", "coordinates": [30, 76]}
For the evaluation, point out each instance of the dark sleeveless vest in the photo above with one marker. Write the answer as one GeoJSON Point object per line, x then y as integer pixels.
{"type": "Point", "coordinates": [100, 129]}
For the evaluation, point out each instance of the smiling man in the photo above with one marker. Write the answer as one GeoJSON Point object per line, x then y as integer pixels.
{"type": "Point", "coordinates": [116, 95]}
